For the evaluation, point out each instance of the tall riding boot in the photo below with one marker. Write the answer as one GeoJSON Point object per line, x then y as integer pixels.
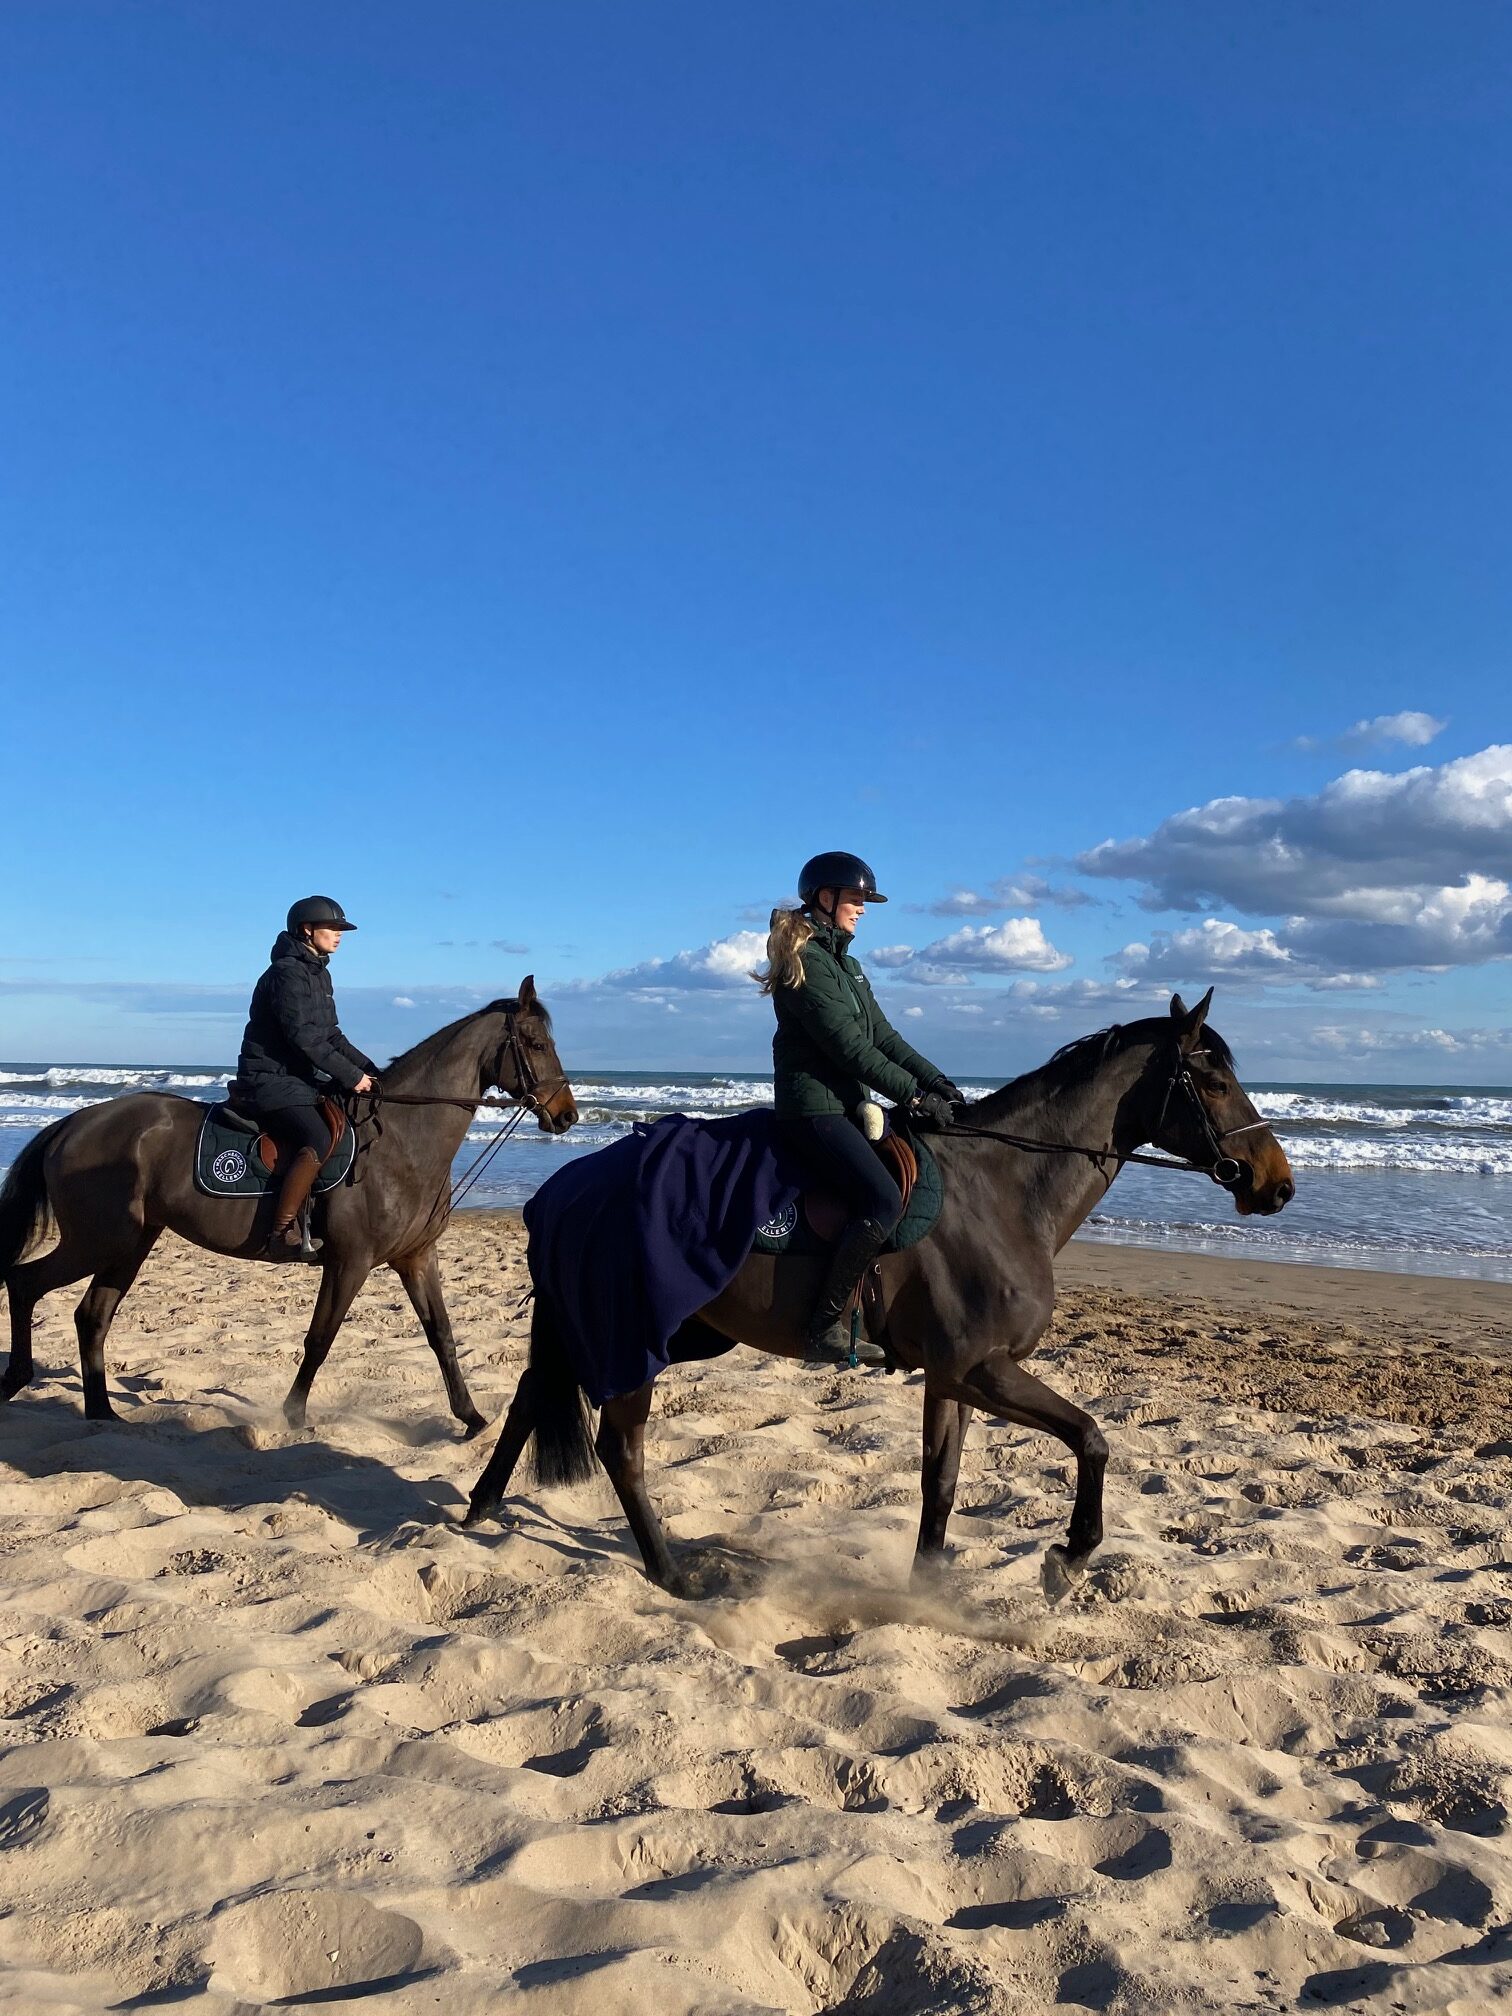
{"type": "Point", "coordinates": [829, 1335]}
{"type": "Point", "coordinates": [286, 1241]}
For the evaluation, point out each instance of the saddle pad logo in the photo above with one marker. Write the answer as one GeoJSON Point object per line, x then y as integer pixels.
{"type": "Point", "coordinates": [229, 1166]}
{"type": "Point", "coordinates": [780, 1226]}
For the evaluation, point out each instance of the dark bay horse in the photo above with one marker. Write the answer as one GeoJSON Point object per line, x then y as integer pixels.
{"type": "Point", "coordinates": [968, 1304]}
{"type": "Point", "coordinates": [115, 1177]}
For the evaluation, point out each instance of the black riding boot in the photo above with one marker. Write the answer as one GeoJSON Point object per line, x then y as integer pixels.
{"type": "Point", "coordinates": [829, 1334]}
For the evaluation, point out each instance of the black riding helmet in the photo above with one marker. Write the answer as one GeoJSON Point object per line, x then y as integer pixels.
{"type": "Point", "coordinates": [837, 871]}
{"type": "Point", "coordinates": [319, 910]}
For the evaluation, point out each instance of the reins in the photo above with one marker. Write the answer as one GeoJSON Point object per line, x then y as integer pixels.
{"type": "Point", "coordinates": [522, 1104]}
{"type": "Point", "coordinates": [1222, 1170]}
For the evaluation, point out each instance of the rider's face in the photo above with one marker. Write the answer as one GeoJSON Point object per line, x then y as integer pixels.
{"type": "Point", "coordinates": [850, 908]}
{"type": "Point", "coordinates": [324, 939]}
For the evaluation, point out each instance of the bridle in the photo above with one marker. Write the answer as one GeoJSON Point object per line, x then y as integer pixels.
{"type": "Point", "coordinates": [527, 1100]}
{"type": "Point", "coordinates": [1222, 1170]}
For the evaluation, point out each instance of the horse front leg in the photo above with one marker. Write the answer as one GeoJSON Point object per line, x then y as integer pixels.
{"type": "Point", "coordinates": [339, 1283]}
{"type": "Point", "coordinates": [1002, 1386]}
{"type": "Point", "coordinates": [421, 1275]}
{"type": "Point", "coordinates": [621, 1447]}
{"type": "Point", "coordinates": [945, 1423]}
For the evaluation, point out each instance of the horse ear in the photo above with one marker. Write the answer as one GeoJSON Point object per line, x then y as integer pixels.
{"type": "Point", "coordinates": [527, 990]}
{"type": "Point", "coordinates": [1189, 1021]}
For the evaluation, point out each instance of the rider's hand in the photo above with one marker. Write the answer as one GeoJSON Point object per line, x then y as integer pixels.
{"type": "Point", "coordinates": [932, 1110]}
{"type": "Point", "coordinates": [364, 1084]}
{"type": "Point", "coordinates": [947, 1090]}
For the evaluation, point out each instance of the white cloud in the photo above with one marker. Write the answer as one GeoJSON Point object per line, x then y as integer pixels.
{"type": "Point", "coordinates": [913, 1013]}
{"type": "Point", "coordinates": [1207, 950]}
{"type": "Point", "coordinates": [1008, 892]}
{"type": "Point", "coordinates": [1412, 729]}
{"type": "Point", "coordinates": [1373, 872]}
{"type": "Point", "coordinates": [726, 962]}
{"type": "Point", "coordinates": [403, 1001]}
{"type": "Point", "coordinates": [1018, 945]}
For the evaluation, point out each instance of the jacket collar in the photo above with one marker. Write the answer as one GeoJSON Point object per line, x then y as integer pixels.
{"type": "Point", "coordinates": [287, 946]}
{"type": "Point", "coordinates": [832, 938]}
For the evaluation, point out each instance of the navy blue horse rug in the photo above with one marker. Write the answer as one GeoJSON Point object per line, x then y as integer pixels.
{"type": "Point", "coordinates": [628, 1243]}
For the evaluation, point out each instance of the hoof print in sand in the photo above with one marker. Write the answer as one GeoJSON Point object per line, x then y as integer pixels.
{"type": "Point", "coordinates": [299, 1943]}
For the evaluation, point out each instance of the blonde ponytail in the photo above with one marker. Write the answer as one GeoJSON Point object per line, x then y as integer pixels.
{"type": "Point", "coordinates": [791, 930]}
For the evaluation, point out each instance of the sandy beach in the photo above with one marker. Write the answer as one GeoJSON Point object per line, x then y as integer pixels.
{"type": "Point", "coordinates": [277, 1733]}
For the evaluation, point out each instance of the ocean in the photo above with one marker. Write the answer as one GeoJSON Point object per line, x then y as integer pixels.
{"type": "Point", "coordinates": [1411, 1178]}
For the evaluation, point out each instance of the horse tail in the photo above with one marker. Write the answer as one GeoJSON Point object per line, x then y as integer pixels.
{"type": "Point", "coordinates": [563, 1444]}
{"type": "Point", "coordinates": [25, 1210]}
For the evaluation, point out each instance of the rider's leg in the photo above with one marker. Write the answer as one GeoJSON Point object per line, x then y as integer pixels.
{"type": "Point", "coordinates": [843, 1160]}
{"type": "Point", "coordinates": [304, 1141]}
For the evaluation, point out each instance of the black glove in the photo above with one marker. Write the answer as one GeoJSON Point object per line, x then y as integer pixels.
{"type": "Point", "coordinates": [931, 1110]}
{"type": "Point", "coordinates": [949, 1091]}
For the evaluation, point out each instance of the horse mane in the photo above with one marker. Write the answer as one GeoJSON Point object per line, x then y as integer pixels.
{"type": "Point", "coordinates": [510, 1004]}
{"type": "Point", "coordinates": [1075, 1061]}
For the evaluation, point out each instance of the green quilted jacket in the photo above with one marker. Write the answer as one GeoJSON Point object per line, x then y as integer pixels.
{"type": "Point", "coordinates": [833, 1042]}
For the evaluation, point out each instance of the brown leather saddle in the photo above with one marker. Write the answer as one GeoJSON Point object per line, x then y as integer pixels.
{"type": "Point", "coordinates": [828, 1216]}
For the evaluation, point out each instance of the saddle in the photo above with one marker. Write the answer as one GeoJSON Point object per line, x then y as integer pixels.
{"type": "Point", "coordinates": [812, 1225]}
{"type": "Point", "coordinates": [235, 1157]}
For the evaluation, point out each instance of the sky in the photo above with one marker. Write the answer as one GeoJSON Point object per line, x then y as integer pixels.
{"type": "Point", "coordinates": [538, 472]}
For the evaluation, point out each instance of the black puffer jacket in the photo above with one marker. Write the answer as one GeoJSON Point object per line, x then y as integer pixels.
{"type": "Point", "coordinates": [293, 1051]}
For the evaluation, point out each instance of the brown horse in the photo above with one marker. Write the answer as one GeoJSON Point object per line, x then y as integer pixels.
{"type": "Point", "coordinates": [968, 1304]}
{"type": "Point", "coordinates": [116, 1176]}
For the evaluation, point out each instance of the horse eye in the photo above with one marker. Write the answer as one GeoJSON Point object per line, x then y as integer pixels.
{"type": "Point", "coordinates": [1219, 1087]}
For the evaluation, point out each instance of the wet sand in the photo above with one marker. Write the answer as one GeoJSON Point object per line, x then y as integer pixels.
{"type": "Point", "coordinates": [274, 1727]}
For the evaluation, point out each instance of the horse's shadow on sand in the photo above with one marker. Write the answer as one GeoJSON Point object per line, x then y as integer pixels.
{"type": "Point", "coordinates": [226, 1468]}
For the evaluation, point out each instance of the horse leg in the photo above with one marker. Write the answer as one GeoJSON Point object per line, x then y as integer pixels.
{"type": "Point", "coordinates": [339, 1284]}
{"type": "Point", "coordinates": [26, 1285]}
{"type": "Point", "coordinates": [93, 1318]}
{"type": "Point", "coordinates": [488, 1492]}
{"type": "Point", "coordinates": [621, 1446]}
{"type": "Point", "coordinates": [422, 1283]}
{"type": "Point", "coordinates": [1002, 1386]}
{"type": "Point", "coordinates": [945, 1424]}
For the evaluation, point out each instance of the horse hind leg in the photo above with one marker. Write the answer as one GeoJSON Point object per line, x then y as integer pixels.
{"type": "Point", "coordinates": [25, 1286]}
{"type": "Point", "coordinates": [93, 1318]}
{"type": "Point", "coordinates": [519, 1424]}
{"type": "Point", "coordinates": [621, 1447]}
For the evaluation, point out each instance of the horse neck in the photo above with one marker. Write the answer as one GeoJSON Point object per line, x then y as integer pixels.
{"type": "Point", "coordinates": [451, 1066]}
{"type": "Point", "coordinates": [1101, 1110]}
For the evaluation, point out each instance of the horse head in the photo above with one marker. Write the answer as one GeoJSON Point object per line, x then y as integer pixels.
{"type": "Point", "coordinates": [1206, 1116]}
{"type": "Point", "coordinates": [527, 1065]}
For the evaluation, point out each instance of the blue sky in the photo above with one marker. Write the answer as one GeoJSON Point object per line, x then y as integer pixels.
{"type": "Point", "coordinates": [538, 472]}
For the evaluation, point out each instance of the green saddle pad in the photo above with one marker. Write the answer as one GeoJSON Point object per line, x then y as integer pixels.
{"type": "Point", "coordinates": [792, 1234]}
{"type": "Point", "coordinates": [227, 1164]}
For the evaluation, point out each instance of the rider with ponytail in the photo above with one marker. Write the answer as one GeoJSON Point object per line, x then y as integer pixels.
{"type": "Point", "coordinates": [833, 1043]}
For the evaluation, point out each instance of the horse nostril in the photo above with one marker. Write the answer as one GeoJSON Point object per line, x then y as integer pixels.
{"type": "Point", "coordinates": [1285, 1192]}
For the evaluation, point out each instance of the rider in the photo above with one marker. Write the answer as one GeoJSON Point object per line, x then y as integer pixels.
{"type": "Point", "coordinates": [292, 1054]}
{"type": "Point", "coordinates": [832, 1042]}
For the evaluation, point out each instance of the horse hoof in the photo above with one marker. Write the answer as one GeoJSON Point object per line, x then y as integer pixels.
{"type": "Point", "coordinates": [103, 1412]}
{"type": "Point", "coordinates": [473, 1424]}
{"type": "Point", "coordinates": [476, 1514]}
{"type": "Point", "coordinates": [294, 1417]}
{"type": "Point", "coordinates": [1059, 1573]}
